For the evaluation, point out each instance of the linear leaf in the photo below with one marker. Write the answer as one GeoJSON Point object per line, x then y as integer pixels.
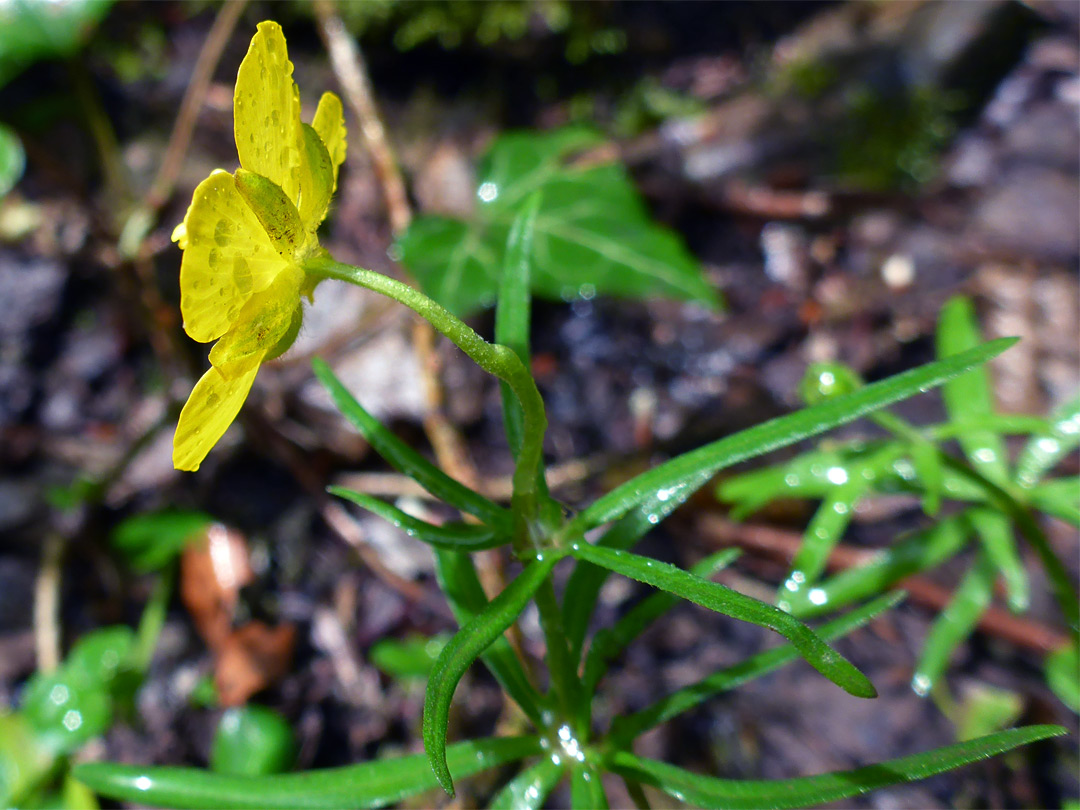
{"type": "Point", "coordinates": [585, 582]}
{"type": "Point", "coordinates": [1060, 498]}
{"type": "Point", "coordinates": [970, 395]}
{"type": "Point", "coordinates": [732, 794]}
{"type": "Point", "coordinates": [821, 536]}
{"type": "Point", "coordinates": [460, 584]}
{"type": "Point", "coordinates": [914, 553]}
{"type": "Point", "coordinates": [627, 727]}
{"type": "Point", "coordinates": [463, 649]}
{"type": "Point", "coordinates": [732, 603]}
{"type": "Point", "coordinates": [610, 642]}
{"type": "Point", "coordinates": [512, 311]}
{"type": "Point", "coordinates": [995, 533]}
{"type": "Point", "coordinates": [691, 470]}
{"type": "Point", "coordinates": [529, 789]}
{"type": "Point", "coordinates": [586, 788]}
{"type": "Point", "coordinates": [1047, 448]}
{"type": "Point", "coordinates": [955, 623]}
{"type": "Point", "coordinates": [405, 459]}
{"type": "Point", "coordinates": [370, 784]}
{"type": "Point", "coordinates": [464, 537]}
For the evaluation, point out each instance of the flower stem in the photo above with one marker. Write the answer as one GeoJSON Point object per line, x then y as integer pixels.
{"type": "Point", "coordinates": [495, 359]}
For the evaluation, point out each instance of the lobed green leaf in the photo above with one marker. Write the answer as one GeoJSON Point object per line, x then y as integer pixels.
{"type": "Point", "coordinates": [370, 784]}
{"type": "Point", "coordinates": [732, 603]}
{"type": "Point", "coordinates": [592, 234]}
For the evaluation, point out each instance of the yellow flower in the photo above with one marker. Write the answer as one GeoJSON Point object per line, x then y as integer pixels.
{"type": "Point", "coordinates": [246, 235]}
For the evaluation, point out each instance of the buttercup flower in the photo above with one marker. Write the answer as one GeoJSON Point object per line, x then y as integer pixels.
{"type": "Point", "coordinates": [246, 236]}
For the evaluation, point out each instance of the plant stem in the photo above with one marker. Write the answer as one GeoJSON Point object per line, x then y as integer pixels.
{"type": "Point", "coordinates": [564, 680]}
{"type": "Point", "coordinates": [498, 360]}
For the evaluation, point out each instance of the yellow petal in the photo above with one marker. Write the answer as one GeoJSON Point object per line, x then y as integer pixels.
{"type": "Point", "coordinates": [329, 123]}
{"type": "Point", "coordinates": [211, 408]}
{"type": "Point", "coordinates": [266, 111]}
{"type": "Point", "coordinates": [261, 325]}
{"type": "Point", "coordinates": [228, 257]}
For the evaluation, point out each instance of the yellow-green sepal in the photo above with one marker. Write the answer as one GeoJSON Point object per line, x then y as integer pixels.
{"type": "Point", "coordinates": [275, 211]}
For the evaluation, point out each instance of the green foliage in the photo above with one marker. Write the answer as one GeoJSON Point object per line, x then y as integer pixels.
{"type": "Point", "coordinates": [12, 160]}
{"type": "Point", "coordinates": [31, 30]}
{"type": "Point", "coordinates": [592, 234]}
{"type": "Point", "coordinates": [884, 142]}
{"type": "Point", "coordinates": [997, 498]}
{"type": "Point", "coordinates": [410, 659]}
{"type": "Point", "coordinates": [457, 22]}
{"type": "Point", "coordinates": [151, 540]}
{"type": "Point", "coordinates": [549, 226]}
{"type": "Point", "coordinates": [252, 741]}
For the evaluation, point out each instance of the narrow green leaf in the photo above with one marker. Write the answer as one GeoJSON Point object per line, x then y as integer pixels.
{"type": "Point", "coordinates": [1048, 447]}
{"type": "Point", "coordinates": [627, 727]}
{"type": "Point", "coordinates": [12, 160]}
{"type": "Point", "coordinates": [685, 474]}
{"type": "Point", "coordinates": [463, 649]}
{"type": "Point", "coordinates": [731, 794]}
{"type": "Point", "coordinates": [370, 784]}
{"type": "Point", "coordinates": [1063, 673]}
{"type": "Point", "coordinates": [1060, 498]}
{"type": "Point", "coordinates": [607, 644]}
{"type": "Point", "coordinates": [464, 537]}
{"type": "Point", "coordinates": [970, 395]}
{"type": "Point", "coordinates": [585, 582]}
{"type": "Point", "coordinates": [512, 311]}
{"type": "Point", "coordinates": [955, 623]}
{"type": "Point", "coordinates": [995, 533]}
{"type": "Point", "coordinates": [586, 788]}
{"type": "Point", "coordinates": [529, 789]}
{"type": "Point", "coordinates": [914, 553]}
{"type": "Point", "coordinates": [732, 603]}
{"type": "Point", "coordinates": [1061, 581]}
{"type": "Point", "coordinates": [829, 523]}
{"type": "Point", "coordinates": [405, 459]}
{"type": "Point", "coordinates": [460, 584]}
{"type": "Point", "coordinates": [926, 459]}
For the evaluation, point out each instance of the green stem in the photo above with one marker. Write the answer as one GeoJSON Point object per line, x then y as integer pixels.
{"type": "Point", "coordinates": [564, 680]}
{"type": "Point", "coordinates": [152, 620]}
{"type": "Point", "coordinates": [493, 358]}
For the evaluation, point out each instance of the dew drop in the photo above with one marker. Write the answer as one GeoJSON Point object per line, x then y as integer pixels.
{"type": "Point", "coordinates": [222, 233]}
{"type": "Point", "coordinates": [921, 684]}
{"type": "Point", "coordinates": [817, 596]}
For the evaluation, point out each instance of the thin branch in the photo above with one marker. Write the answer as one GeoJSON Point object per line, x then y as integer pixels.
{"type": "Point", "coordinates": [47, 605]}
